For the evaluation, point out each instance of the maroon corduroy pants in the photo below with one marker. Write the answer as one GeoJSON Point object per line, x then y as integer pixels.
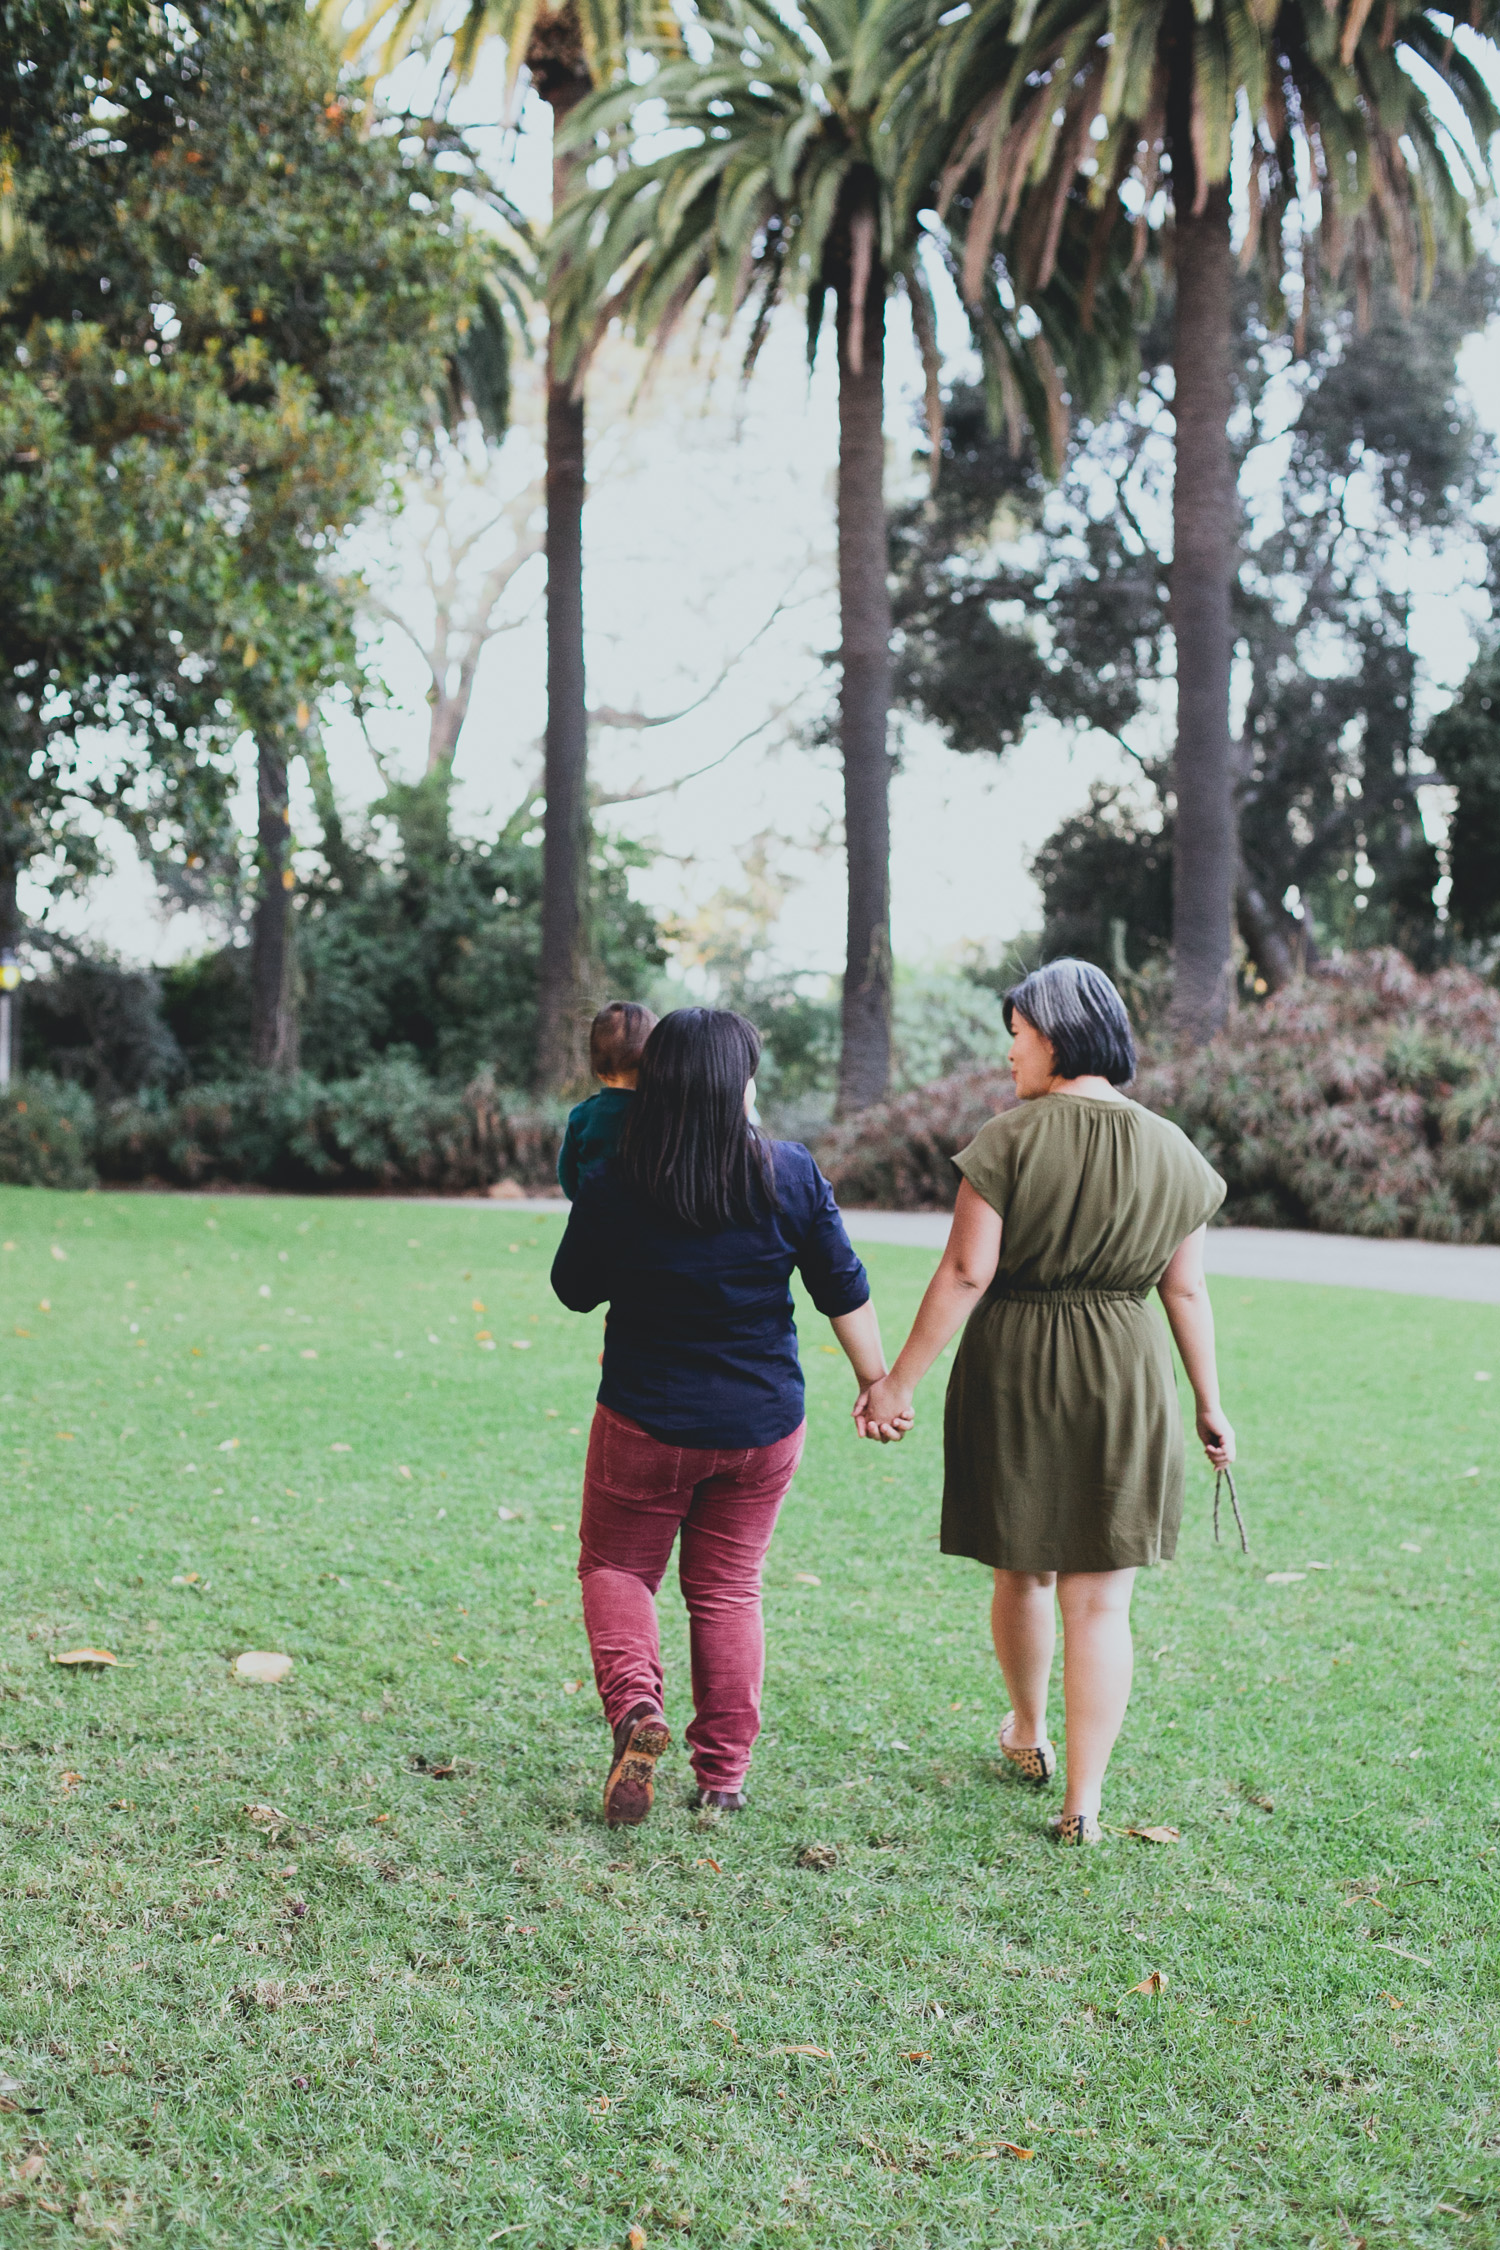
{"type": "Point", "coordinates": [638, 1496]}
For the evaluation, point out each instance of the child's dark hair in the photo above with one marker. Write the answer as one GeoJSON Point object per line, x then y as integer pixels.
{"type": "Point", "coordinates": [687, 1145]}
{"type": "Point", "coordinates": [617, 1038]}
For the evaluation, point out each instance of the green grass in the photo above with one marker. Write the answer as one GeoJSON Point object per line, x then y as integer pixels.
{"type": "Point", "coordinates": [458, 2010]}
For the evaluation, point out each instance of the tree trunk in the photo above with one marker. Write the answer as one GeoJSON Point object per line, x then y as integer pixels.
{"type": "Point", "coordinates": [1264, 929]}
{"type": "Point", "coordinates": [10, 994]}
{"type": "Point", "coordinates": [273, 1012]}
{"type": "Point", "coordinates": [864, 695]}
{"type": "Point", "coordinates": [1205, 851]}
{"type": "Point", "coordinates": [560, 1031]}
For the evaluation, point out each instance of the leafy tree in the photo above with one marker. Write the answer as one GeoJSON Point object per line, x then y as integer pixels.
{"type": "Point", "coordinates": [222, 304]}
{"type": "Point", "coordinates": [1105, 876]}
{"type": "Point", "coordinates": [1138, 104]}
{"type": "Point", "coordinates": [98, 1025]}
{"type": "Point", "coordinates": [780, 185]}
{"type": "Point", "coordinates": [567, 51]}
{"type": "Point", "coordinates": [1013, 602]}
{"type": "Point", "coordinates": [417, 943]}
{"type": "Point", "coordinates": [1464, 744]}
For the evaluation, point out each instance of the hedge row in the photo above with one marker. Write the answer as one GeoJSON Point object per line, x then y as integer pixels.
{"type": "Point", "coordinates": [390, 1128]}
{"type": "Point", "coordinates": [1364, 1099]}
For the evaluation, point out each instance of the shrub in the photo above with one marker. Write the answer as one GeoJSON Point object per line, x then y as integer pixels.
{"type": "Point", "coordinates": [896, 1155]}
{"type": "Point", "coordinates": [1363, 1099]}
{"type": "Point", "coordinates": [94, 1021]}
{"type": "Point", "coordinates": [389, 1128]}
{"type": "Point", "coordinates": [46, 1134]}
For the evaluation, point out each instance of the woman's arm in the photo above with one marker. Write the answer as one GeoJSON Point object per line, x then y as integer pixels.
{"type": "Point", "coordinates": [858, 1333]}
{"type": "Point", "coordinates": [1190, 1315]}
{"type": "Point", "coordinates": [580, 1270]}
{"type": "Point", "coordinates": [567, 1163]}
{"type": "Point", "coordinates": [965, 1272]}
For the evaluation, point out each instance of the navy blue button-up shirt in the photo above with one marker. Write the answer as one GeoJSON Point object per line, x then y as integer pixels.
{"type": "Point", "coordinates": [701, 1347]}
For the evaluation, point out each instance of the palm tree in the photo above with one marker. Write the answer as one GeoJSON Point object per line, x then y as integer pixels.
{"type": "Point", "coordinates": [567, 51]}
{"type": "Point", "coordinates": [1133, 103]}
{"type": "Point", "coordinates": [781, 183]}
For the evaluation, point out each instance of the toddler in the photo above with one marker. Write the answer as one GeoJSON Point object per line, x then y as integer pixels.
{"type": "Point", "coordinates": [617, 1037]}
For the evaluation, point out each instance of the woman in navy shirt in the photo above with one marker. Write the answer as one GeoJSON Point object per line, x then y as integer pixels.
{"type": "Point", "coordinates": [690, 1236]}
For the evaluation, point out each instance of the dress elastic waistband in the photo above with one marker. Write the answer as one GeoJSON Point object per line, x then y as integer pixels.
{"type": "Point", "coordinates": [1067, 1296]}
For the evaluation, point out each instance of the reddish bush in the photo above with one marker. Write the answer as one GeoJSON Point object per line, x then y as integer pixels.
{"type": "Point", "coordinates": [1364, 1099]}
{"type": "Point", "coordinates": [896, 1156]}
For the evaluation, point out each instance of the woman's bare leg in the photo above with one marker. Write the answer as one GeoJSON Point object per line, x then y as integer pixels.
{"type": "Point", "coordinates": [1098, 1661]}
{"type": "Point", "coordinates": [1024, 1625]}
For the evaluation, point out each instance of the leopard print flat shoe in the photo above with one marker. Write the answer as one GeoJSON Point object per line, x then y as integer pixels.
{"type": "Point", "coordinates": [1076, 1828]}
{"type": "Point", "coordinates": [1036, 1763]}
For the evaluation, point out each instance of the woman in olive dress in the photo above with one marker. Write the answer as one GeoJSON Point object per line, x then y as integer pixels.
{"type": "Point", "coordinates": [1063, 1440]}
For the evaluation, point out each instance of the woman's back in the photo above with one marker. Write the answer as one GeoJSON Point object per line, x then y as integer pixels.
{"type": "Point", "coordinates": [1094, 1194]}
{"type": "Point", "coordinates": [701, 1344]}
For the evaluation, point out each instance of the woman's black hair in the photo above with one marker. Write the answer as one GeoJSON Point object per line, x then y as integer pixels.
{"type": "Point", "coordinates": [687, 1145]}
{"type": "Point", "coordinates": [1076, 1008]}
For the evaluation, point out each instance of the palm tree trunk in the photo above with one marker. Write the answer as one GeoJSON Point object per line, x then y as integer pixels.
{"type": "Point", "coordinates": [864, 696]}
{"type": "Point", "coordinates": [10, 994]}
{"type": "Point", "coordinates": [273, 1011]}
{"type": "Point", "coordinates": [560, 1039]}
{"type": "Point", "coordinates": [1205, 849]}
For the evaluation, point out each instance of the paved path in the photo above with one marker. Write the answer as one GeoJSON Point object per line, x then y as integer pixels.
{"type": "Point", "coordinates": [1470, 1272]}
{"type": "Point", "coordinates": [1352, 1261]}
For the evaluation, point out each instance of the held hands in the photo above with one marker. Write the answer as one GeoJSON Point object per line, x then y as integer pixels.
{"type": "Point", "coordinates": [883, 1411]}
{"type": "Point", "coordinates": [1216, 1435]}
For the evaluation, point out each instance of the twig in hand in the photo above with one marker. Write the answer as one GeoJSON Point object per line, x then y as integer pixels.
{"type": "Point", "coordinates": [1222, 1477]}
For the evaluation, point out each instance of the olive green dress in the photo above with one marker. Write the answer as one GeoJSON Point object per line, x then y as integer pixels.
{"type": "Point", "coordinates": [1062, 1433]}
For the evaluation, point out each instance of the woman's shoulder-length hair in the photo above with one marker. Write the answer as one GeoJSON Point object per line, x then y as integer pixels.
{"type": "Point", "coordinates": [1076, 1008]}
{"type": "Point", "coordinates": [687, 1147]}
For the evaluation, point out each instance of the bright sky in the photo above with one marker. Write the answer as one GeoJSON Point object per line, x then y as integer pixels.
{"type": "Point", "coordinates": [710, 583]}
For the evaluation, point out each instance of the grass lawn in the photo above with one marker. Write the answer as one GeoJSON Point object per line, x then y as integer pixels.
{"type": "Point", "coordinates": [408, 2008]}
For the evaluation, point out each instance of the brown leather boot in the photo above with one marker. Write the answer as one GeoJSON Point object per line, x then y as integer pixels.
{"type": "Point", "coordinates": [640, 1739]}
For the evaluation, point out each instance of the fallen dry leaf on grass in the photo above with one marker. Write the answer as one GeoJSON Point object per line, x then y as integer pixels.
{"type": "Point", "coordinates": [68, 1781]}
{"type": "Point", "coordinates": [262, 1665]}
{"type": "Point", "coordinates": [267, 1818]}
{"type": "Point", "coordinates": [85, 1656]}
{"type": "Point", "coordinates": [636, 2239]}
{"type": "Point", "coordinates": [805, 1578]}
{"type": "Point", "coordinates": [822, 2053]}
{"type": "Point", "coordinates": [30, 2167]}
{"type": "Point", "coordinates": [1157, 1835]}
{"type": "Point", "coordinates": [1284, 1577]}
{"type": "Point", "coordinates": [1155, 1983]}
{"type": "Point", "coordinates": [1005, 2148]}
{"type": "Point", "coordinates": [821, 1856]}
